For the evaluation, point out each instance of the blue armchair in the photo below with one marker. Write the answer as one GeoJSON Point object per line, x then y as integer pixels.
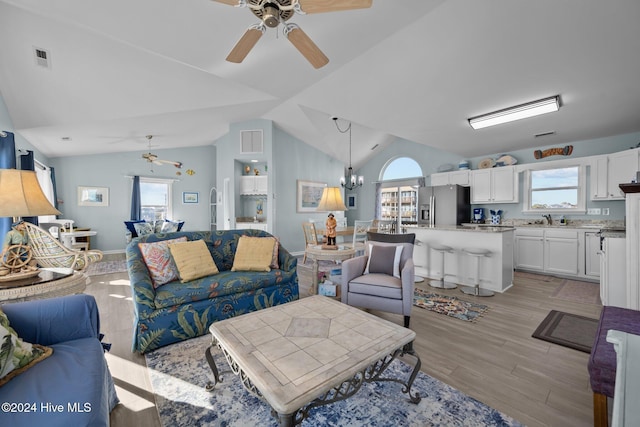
{"type": "Point", "coordinates": [72, 387]}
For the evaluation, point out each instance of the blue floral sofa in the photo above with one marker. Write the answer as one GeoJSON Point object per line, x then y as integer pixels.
{"type": "Point", "coordinates": [178, 311]}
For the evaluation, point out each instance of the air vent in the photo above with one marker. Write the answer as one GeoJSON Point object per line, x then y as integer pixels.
{"type": "Point", "coordinates": [251, 141]}
{"type": "Point", "coordinates": [42, 57]}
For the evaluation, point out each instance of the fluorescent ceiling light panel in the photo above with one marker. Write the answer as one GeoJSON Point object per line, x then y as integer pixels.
{"type": "Point", "coordinates": [530, 109]}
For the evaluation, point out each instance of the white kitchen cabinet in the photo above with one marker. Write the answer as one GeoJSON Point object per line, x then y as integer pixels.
{"type": "Point", "coordinates": [459, 177]}
{"type": "Point", "coordinates": [530, 249]}
{"type": "Point", "coordinates": [611, 170]}
{"type": "Point", "coordinates": [613, 289]}
{"type": "Point", "coordinates": [495, 185]}
{"type": "Point", "coordinates": [561, 251]}
{"type": "Point", "coordinates": [558, 250]}
{"type": "Point", "coordinates": [251, 226]}
{"type": "Point", "coordinates": [592, 254]}
{"type": "Point", "coordinates": [254, 185]}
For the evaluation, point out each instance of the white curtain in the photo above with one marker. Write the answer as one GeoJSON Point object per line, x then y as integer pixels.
{"type": "Point", "coordinates": [44, 178]}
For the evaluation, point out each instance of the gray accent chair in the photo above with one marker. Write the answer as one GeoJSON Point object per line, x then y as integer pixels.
{"type": "Point", "coordinates": [379, 291]}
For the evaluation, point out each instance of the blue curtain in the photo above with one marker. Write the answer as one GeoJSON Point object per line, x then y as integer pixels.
{"type": "Point", "coordinates": [27, 163]}
{"type": "Point", "coordinates": [7, 161]}
{"type": "Point", "coordinates": [55, 190]}
{"type": "Point", "coordinates": [136, 208]}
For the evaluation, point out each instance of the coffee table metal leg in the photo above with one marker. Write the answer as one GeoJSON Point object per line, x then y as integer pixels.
{"type": "Point", "coordinates": [212, 364]}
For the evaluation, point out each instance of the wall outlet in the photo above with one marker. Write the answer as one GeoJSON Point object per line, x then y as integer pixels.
{"type": "Point", "coordinates": [605, 211]}
{"type": "Point", "coordinates": [593, 211]}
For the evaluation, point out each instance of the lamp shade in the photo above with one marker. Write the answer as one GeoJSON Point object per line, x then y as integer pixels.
{"type": "Point", "coordinates": [331, 200]}
{"type": "Point", "coordinates": [21, 195]}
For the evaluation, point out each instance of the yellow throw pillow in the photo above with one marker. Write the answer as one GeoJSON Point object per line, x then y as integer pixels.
{"type": "Point", "coordinates": [193, 260]}
{"type": "Point", "coordinates": [253, 254]}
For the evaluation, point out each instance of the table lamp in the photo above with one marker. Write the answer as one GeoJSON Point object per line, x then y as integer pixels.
{"type": "Point", "coordinates": [331, 200]}
{"type": "Point", "coordinates": [21, 195]}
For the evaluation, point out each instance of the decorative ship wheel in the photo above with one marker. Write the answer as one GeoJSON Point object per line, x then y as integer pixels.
{"type": "Point", "coordinates": [16, 256]}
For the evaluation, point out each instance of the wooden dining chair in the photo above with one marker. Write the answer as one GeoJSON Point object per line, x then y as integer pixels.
{"type": "Point", "coordinates": [310, 237]}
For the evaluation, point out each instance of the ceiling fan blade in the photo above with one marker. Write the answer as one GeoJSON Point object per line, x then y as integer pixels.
{"type": "Point", "coordinates": [307, 47]}
{"type": "Point", "coordinates": [320, 6]}
{"type": "Point", "coordinates": [244, 45]}
{"type": "Point", "coordinates": [229, 2]}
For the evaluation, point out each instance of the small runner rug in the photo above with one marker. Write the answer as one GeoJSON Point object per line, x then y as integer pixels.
{"type": "Point", "coordinates": [568, 330]}
{"type": "Point", "coordinates": [106, 267]}
{"type": "Point", "coordinates": [578, 291]}
{"type": "Point", "coordinates": [179, 374]}
{"type": "Point", "coordinates": [449, 305]}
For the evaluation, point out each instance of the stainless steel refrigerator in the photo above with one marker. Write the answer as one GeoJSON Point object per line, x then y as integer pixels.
{"type": "Point", "coordinates": [444, 205]}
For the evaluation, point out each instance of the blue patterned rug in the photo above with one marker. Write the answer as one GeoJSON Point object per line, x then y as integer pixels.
{"type": "Point", "coordinates": [179, 373]}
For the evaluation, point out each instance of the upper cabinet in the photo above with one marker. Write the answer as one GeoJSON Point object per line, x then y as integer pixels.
{"type": "Point", "coordinates": [495, 185]}
{"type": "Point", "coordinates": [608, 171]}
{"type": "Point", "coordinates": [460, 177]}
{"type": "Point", "coordinates": [253, 185]}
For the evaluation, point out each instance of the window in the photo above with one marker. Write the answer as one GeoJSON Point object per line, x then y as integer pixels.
{"type": "Point", "coordinates": [560, 190]}
{"type": "Point", "coordinates": [398, 198]}
{"type": "Point", "coordinates": [155, 198]}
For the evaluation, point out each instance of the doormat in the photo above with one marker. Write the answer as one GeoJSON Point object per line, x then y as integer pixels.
{"type": "Point", "coordinates": [568, 330]}
{"type": "Point", "coordinates": [451, 306]}
{"type": "Point", "coordinates": [578, 291]}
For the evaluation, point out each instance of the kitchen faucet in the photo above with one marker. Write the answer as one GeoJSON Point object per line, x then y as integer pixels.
{"type": "Point", "coordinates": [548, 218]}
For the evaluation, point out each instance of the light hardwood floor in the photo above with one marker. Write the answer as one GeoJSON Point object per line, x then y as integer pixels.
{"type": "Point", "coordinates": [494, 360]}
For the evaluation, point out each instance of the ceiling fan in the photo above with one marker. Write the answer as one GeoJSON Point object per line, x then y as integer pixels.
{"type": "Point", "coordinates": [152, 158]}
{"type": "Point", "coordinates": [275, 12]}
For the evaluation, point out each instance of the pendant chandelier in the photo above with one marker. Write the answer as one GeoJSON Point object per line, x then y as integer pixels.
{"type": "Point", "coordinates": [349, 180]}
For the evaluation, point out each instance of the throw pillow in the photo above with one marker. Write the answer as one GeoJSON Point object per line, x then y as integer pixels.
{"type": "Point", "coordinates": [157, 257]}
{"type": "Point", "coordinates": [157, 225]}
{"type": "Point", "coordinates": [131, 228]}
{"type": "Point", "coordinates": [253, 254]}
{"type": "Point", "coordinates": [143, 228]}
{"type": "Point", "coordinates": [384, 260]}
{"type": "Point", "coordinates": [193, 260]}
{"type": "Point", "coordinates": [169, 226]}
{"type": "Point", "coordinates": [16, 356]}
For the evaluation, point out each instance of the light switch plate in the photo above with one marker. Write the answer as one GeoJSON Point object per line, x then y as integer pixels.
{"type": "Point", "coordinates": [593, 211]}
{"type": "Point", "coordinates": [605, 211]}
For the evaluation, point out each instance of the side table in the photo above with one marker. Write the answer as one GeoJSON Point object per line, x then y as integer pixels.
{"type": "Point", "coordinates": [75, 283]}
{"type": "Point", "coordinates": [316, 253]}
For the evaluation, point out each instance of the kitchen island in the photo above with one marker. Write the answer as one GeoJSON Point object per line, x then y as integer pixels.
{"type": "Point", "coordinates": [496, 271]}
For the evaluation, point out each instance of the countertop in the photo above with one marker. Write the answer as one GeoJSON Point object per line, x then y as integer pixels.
{"type": "Point", "coordinates": [472, 228]}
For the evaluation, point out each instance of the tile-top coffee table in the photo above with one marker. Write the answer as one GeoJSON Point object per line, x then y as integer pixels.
{"type": "Point", "coordinates": [309, 353]}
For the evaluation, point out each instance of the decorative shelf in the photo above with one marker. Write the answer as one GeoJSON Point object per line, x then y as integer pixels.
{"type": "Point", "coordinates": [630, 188]}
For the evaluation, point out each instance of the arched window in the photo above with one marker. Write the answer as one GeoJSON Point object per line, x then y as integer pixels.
{"type": "Point", "coordinates": [397, 191]}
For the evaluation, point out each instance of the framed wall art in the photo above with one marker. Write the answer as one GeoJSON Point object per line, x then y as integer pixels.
{"type": "Point", "coordinates": [189, 197]}
{"type": "Point", "coordinates": [309, 195]}
{"type": "Point", "coordinates": [93, 196]}
{"type": "Point", "coordinates": [351, 201]}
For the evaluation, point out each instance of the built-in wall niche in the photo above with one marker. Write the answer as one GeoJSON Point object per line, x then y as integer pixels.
{"type": "Point", "coordinates": [251, 141]}
{"type": "Point", "coordinates": [254, 168]}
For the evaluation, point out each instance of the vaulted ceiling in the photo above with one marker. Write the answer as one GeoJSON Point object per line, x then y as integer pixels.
{"type": "Point", "coordinates": [413, 69]}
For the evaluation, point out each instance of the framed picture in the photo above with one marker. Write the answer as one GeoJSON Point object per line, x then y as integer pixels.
{"type": "Point", "coordinates": [309, 195]}
{"type": "Point", "coordinates": [351, 201]}
{"type": "Point", "coordinates": [189, 197]}
{"type": "Point", "coordinates": [93, 196]}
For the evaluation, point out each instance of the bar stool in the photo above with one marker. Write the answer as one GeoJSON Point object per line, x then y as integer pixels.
{"type": "Point", "coordinates": [440, 283]}
{"type": "Point", "coordinates": [475, 289]}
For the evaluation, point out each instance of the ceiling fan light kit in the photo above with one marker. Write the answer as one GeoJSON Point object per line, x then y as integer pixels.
{"type": "Point", "coordinates": [153, 158]}
{"type": "Point", "coordinates": [523, 111]}
{"type": "Point", "coordinates": [272, 13]}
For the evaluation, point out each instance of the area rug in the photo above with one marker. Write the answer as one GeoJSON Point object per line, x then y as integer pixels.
{"type": "Point", "coordinates": [578, 291]}
{"type": "Point", "coordinates": [106, 267]}
{"type": "Point", "coordinates": [451, 306]}
{"type": "Point", "coordinates": [568, 330]}
{"type": "Point", "coordinates": [179, 373]}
